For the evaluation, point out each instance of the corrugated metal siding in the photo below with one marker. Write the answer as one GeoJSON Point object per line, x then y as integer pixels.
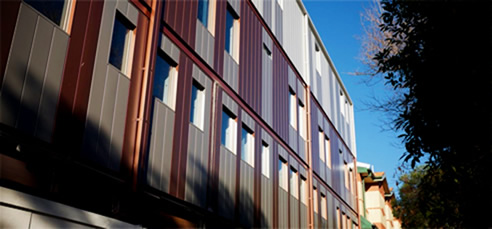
{"type": "Point", "coordinates": [219, 46]}
{"type": "Point", "coordinates": [250, 60]}
{"type": "Point", "coordinates": [283, 210]}
{"type": "Point", "coordinates": [266, 191]}
{"type": "Point", "coordinates": [160, 149]}
{"type": "Point", "coordinates": [204, 43]}
{"type": "Point", "coordinates": [31, 84]}
{"type": "Point", "coordinates": [246, 200]}
{"type": "Point", "coordinates": [103, 136]}
{"type": "Point", "coordinates": [181, 17]}
{"type": "Point", "coordinates": [230, 71]}
{"type": "Point", "coordinates": [198, 148]}
{"type": "Point", "coordinates": [266, 81]}
{"type": "Point", "coordinates": [278, 19]}
{"type": "Point", "coordinates": [280, 95]}
{"type": "Point", "coordinates": [293, 38]}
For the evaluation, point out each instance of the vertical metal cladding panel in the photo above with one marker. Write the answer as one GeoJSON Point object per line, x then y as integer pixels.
{"type": "Point", "coordinates": [323, 221]}
{"type": "Point", "coordinates": [267, 81]}
{"type": "Point", "coordinates": [314, 133]}
{"type": "Point", "coordinates": [283, 195]}
{"type": "Point", "coordinates": [294, 202]}
{"type": "Point", "coordinates": [181, 17]}
{"type": "Point", "coordinates": [31, 83]}
{"type": "Point", "coordinates": [161, 140]}
{"type": "Point", "coordinates": [293, 134]}
{"type": "Point", "coordinates": [280, 95]}
{"type": "Point", "coordinates": [219, 46]}
{"type": "Point", "coordinates": [267, 186]}
{"type": "Point", "coordinates": [331, 210]}
{"type": "Point", "coordinates": [316, 214]}
{"type": "Point", "coordinates": [303, 206]}
{"type": "Point", "coordinates": [204, 43]}
{"type": "Point", "coordinates": [227, 169]}
{"type": "Point", "coordinates": [278, 22]}
{"type": "Point", "coordinates": [293, 37]}
{"type": "Point", "coordinates": [246, 181]}
{"type": "Point", "coordinates": [250, 57]}
{"type": "Point", "coordinates": [302, 144]}
{"type": "Point", "coordinates": [8, 19]}
{"type": "Point", "coordinates": [327, 127]}
{"type": "Point", "coordinates": [198, 146]}
{"type": "Point", "coordinates": [230, 72]}
{"type": "Point", "coordinates": [267, 12]}
{"type": "Point", "coordinates": [108, 96]}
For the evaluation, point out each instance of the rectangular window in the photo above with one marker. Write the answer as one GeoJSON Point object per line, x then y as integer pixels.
{"type": "Point", "coordinates": [339, 226]}
{"type": "Point", "coordinates": [328, 151]}
{"type": "Point", "coordinates": [345, 172]}
{"type": "Point", "coordinates": [267, 51]}
{"type": "Point", "coordinates": [292, 109]}
{"type": "Point", "coordinates": [315, 199]}
{"type": "Point", "coordinates": [121, 44]}
{"type": "Point", "coordinates": [302, 120]}
{"type": "Point", "coordinates": [351, 188]}
{"type": "Point", "coordinates": [197, 105]}
{"type": "Point", "coordinates": [229, 130]}
{"type": "Point", "coordinates": [282, 174]}
{"type": "Point", "coordinates": [165, 80]}
{"type": "Point", "coordinates": [58, 11]}
{"type": "Point", "coordinates": [232, 33]}
{"type": "Point", "coordinates": [265, 160]}
{"type": "Point", "coordinates": [323, 207]}
{"type": "Point", "coordinates": [318, 58]}
{"type": "Point", "coordinates": [203, 11]}
{"type": "Point", "coordinates": [321, 138]}
{"type": "Point", "coordinates": [294, 186]}
{"type": "Point", "coordinates": [342, 104]}
{"type": "Point", "coordinates": [344, 221]}
{"type": "Point", "coordinates": [248, 143]}
{"type": "Point", "coordinates": [303, 191]}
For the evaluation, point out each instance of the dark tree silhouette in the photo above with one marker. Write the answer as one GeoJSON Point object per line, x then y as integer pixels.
{"type": "Point", "coordinates": [443, 71]}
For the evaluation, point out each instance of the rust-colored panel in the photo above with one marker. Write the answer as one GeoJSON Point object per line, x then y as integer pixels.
{"type": "Point", "coordinates": [250, 57]}
{"type": "Point", "coordinates": [280, 99]}
{"type": "Point", "coordinates": [8, 19]}
{"type": "Point", "coordinates": [257, 178]}
{"type": "Point", "coordinates": [144, 6]}
{"type": "Point", "coordinates": [219, 46]}
{"type": "Point", "coordinates": [77, 75]}
{"type": "Point", "coordinates": [213, 181]}
{"type": "Point", "coordinates": [181, 127]}
{"type": "Point", "coordinates": [137, 78]}
{"type": "Point", "coordinates": [181, 16]}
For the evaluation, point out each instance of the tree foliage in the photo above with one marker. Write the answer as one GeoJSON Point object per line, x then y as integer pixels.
{"type": "Point", "coordinates": [442, 71]}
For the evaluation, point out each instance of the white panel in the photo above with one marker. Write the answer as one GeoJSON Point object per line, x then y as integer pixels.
{"type": "Point", "coordinates": [293, 37]}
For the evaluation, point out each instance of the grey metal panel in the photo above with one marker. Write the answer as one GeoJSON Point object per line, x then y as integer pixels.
{"type": "Point", "coordinates": [42, 221]}
{"type": "Point", "coordinates": [316, 217]}
{"type": "Point", "coordinates": [330, 211]}
{"type": "Point", "coordinates": [294, 212]}
{"type": "Point", "coordinates": [267, 84]}
{"type": "Point", "coordinates": [301, 95]}
{"type": "Point", "coordinates": [132, 14]}
{"type": "Point", "coordinates": [119, 116]}
{"type": "Point", "coordinates": [246, 197]}
{"type": "Point", "coordinates": [227, 183]}
{"type": "Point", "coordinates": [265, 136]}
{"type": "Point", "coordinates": [302, 171]}
{"type": "Point", "coordinates": [14, 218]}
{"type": "Point", "coordinates": [198, 145]}
{"type": "Point", "coordinates": [283, 214]}
{"type": "Point", "coordinates": [294, 36]}
{"type": "Point", "coordinates": [15, 72]}
{"type": "Point", "coordinates": [267, 40]}
{"type": "Point", "coordinates": [301, 150]}
{"type": "Point", "coordinates": [283, 153]}
{"type": "Point", "coordinates": [267, 12]}
{"type": "Point", "coordinates": [168, 47]}
{"type": "Point", "coordinates": [292, 79]}
{"type": "Point", "coordinates": [35, 76]}
{"type": "Point", "coordinates": [122, 6]}
{"type": "Point", "coordinates": [246, 119]}
{"type": "Point", "coordinates": [266, 202]}
{"type": "Point", "coordinates": [293, 163]}
{"type": "Point", "coordinates": [204, 43]}
{"type": "Point", "coordinates": [236, 5]}
{"type": "Point", "coordinates": [303, 211]}
{"type": "Point", "coordinates": [160, 152]}
{"type": "Point", "coordinates": [51, 88]}
{"type": "Point", "coordinates": [278, 22]}
{"type": "Point", "coordinates": [229, 103]}
{"type": "Point", "coordinates": [293, 138]}
{"type": "Point", "coordinates": [231, 72]}
{"type": "Point", "coordinates": [107, 115]}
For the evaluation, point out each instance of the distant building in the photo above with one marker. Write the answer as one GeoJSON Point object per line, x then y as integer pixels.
{"type": "Point", "coordinates": [175, 113]}
{"type": "Point", "coordinates": [375, 196]}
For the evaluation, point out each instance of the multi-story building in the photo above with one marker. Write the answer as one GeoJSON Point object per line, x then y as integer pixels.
{"type": "Point", "coordinates": [172, 113]}
{"type": "Point", "coordinates": [375, 197]}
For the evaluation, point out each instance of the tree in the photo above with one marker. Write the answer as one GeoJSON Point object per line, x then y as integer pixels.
{"type": "Point", "coordinates": [442, 72]}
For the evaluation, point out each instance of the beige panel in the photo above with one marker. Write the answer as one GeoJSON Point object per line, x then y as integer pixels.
{"type": "Point", "coordinates": [14, 218]}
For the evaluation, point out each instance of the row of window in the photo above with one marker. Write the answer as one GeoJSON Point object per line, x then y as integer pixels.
{"type": "Point", "coordinates": [343, 220]}
{"type": "Point", "coordinates": [295, 109]}
{"type": "Point", "coordinates": [296, 190]}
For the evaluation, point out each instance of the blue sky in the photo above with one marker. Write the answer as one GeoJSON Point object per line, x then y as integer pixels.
{"type": "Point", "coordinates": [339, 24]}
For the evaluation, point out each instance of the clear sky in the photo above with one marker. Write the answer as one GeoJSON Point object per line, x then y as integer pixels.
{"type": "Point", "coordinates": [339, 25]}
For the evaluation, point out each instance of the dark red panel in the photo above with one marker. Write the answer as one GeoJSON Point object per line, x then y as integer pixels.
{"type": "Point", "coordinates": [219, 46]}
{"type": "Point", "coordinates": [8, 18]}
{"type": "Point", "coordinates": [181, 16]}
{"type": "Point", "coordinates": [213, 194]}
{"type": "Point", "coordinates": [77, 75]}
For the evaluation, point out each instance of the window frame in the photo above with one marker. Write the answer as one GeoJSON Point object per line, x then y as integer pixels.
{"type": "Point", "coordinates": [321, 150]}
{"type": "Point", "coordinates": [232, 35]}
{"type": "Point", "coordinates": [315, 199]}
{"type": "Point", "coordinates": [265, 159]}
{"type": "Point", "coordinates": [248, 147]}
{"type": "Point", "coordinates": [294, 182]}
{"type": "Point", "coordinates": [292, 108]}
{"type": "Point", "coordinates": [303, 190]}
{"type": "Point", "coordinates": [197, 109]}
{"type": "Point", "coordinates": [328, 151]}
{"type": "Point", "coordinates": [128, 46]}
{"type": "Point", "coordinates": [302, 120]}
{"type": "Point", "coordinates": [66, 16]}
{"type": "Point", "coordinates": [283, 174]}
{"type": "Point", "coordinates": [228, 135]}
{"type": "Point", "coordinates": [324, 209]}
{"type": "Point", "coordinates": [170, 82]}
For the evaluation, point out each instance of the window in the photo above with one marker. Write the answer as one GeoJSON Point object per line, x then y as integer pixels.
{"type": "Point", "coordinates": [294, 186]}
{"type": "Point", "coordinates": [302, 120]}
{"type": "Point", "coordinates": [345, 172]}
{"type": "Point", "coordinates": [338, 218]}
{"type": "Point", "coordinates": [267, 51]}
{"type": "Point", "coordinates": [165, 80]}
{"type": "Point", "coordinates": [197, 105]}
{"type": "Point", "coordinates": [58, 11]}
{"type": "Point", "coordinates": [232, 33]}
{"type": "Point", "coordinates": [303, 191]}
{"type": "Point", "coordinates": [323, 206]}
{"type": "Point", "coordinates": [121, 44]}
{"type": "Point", "coordinates": [315, 199]}
{"type": "Point", "coordinates": [265, 160]}
{"type": "Point", "coordinates": [344, 221]}
{"type": "Point", "coordinates": [318, 58]}
{"type": "Point", "coordinates": [328, 151]}
{"type": "Point", "coordinates": [248, 143]}
{"type": "Point", "coordinates": [292, 109]}
{"type": "Point", "coordinates": [229, 130]}
{"type": "Point", "coordinates": [206, 14]}
{"type": "Point", "coordinates": [351, 188]}
{"type": "Point", "coordinates": [342, 104]}
{"type": "Point", "coordinates": [282, 174]}
{"type": "Point", "coordinates": [321, 138]}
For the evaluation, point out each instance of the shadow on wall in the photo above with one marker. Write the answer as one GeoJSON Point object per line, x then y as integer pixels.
{"type": "Point", "coordinates": [59, 172]}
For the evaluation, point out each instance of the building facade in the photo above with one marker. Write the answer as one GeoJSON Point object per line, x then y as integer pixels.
{"type": "Point", "coordinates": [375, 197]}
{"type": "Point", "coordinates": [145, 113]}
